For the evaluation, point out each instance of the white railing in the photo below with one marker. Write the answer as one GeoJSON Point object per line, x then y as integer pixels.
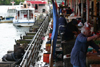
{"type": "Point", "coordinates": [31, 54]}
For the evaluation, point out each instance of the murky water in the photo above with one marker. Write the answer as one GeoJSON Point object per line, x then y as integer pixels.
{"type": "Point", "coordinates": [8, 34]}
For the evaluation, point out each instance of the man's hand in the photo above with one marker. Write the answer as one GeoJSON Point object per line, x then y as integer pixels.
{"type": "Point", "coordinates": [93, 37]}
{"type": "Point", "coordinates": [96, 36]}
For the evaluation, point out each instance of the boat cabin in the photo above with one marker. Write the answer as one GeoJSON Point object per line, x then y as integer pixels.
{"type": "Point", "coordinates": [24, 15]}
{"type": "Point", "coordinates": [25, 12]}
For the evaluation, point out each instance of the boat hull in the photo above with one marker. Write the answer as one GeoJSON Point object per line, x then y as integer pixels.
{"type": "Point", "coordinates": [9, 18]}
{"type": "Point", "coordinates": [6, 21]}
{"type": "Point", "coordinates": [27, 23]}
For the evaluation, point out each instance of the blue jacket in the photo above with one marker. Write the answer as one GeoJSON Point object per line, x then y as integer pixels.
{"type": "Point", "coordinates": [78, 54]}
{"type": "Point", "coordinates": [62, 23]}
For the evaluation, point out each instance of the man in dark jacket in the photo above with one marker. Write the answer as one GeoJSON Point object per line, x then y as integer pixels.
{"type": "Point", "coordinates": [71, 30]}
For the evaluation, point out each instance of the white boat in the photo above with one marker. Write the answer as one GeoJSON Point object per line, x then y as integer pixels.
{"type": "Point", "coordinates": [11, 11]}
{"type": "Point", "coordinates": [9, 14]}
{"type": "Point", "coordinates": [24, 15]}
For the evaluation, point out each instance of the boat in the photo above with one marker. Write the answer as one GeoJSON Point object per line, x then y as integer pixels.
{"type": "Point", "coordinates": [11, 11]}
{"type": "Point", "coordinates": [41, 6]}
{"type": "Point", "coordinates": [3, 20]}
{"type": "Point", "coordinates": [8, 18]}
{"type": "Point", "coordinates": [24, 15]}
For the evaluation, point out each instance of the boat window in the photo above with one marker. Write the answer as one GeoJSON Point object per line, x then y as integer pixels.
{"type": "Point", "coordinates": [36, 6]}
{"type": "Point", "coordinates": [30, 14]}
{"type": "Point", "coordinates": [11, 10]}
{"type": "Point", "coordinates": [24, 5]}
{"type": "Point", "coordinates": [29, 5]}
{"type": "Point", "coordinates": [41, 4]}
{"type": "Point", "coordinates": [43, 10]}
{"type": "Point", "coordinates": [18, 13]}
{"type": "Point", "coordinates": [24, 13]}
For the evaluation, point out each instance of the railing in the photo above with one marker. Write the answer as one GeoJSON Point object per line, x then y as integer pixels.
{"type": "Point", "coordinates": [31, 54]}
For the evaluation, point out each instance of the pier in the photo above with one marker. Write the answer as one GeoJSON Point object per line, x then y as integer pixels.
{"type": "Point", "coordinates": [39, 43]}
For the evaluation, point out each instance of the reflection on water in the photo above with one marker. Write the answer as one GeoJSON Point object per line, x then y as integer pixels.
{"type": "Point", "coordinates": [8, 34]}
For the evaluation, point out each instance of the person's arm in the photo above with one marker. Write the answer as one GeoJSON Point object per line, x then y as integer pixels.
{"type": "Point", "coordinates": [95, 46]}
{"type": "Point", "coordinates": [92, 37]}
{"type": "Point", "coordinates": [84, 39]}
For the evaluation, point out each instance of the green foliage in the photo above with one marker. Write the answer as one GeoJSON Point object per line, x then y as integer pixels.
{"type": "Point", "coordinates": [8, 2]}
{"type": "Point", "coordinates": [97, 42]}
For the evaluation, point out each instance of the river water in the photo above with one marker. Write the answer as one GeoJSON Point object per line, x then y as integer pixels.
{"type": "Point", "coordinates": [9, 33]}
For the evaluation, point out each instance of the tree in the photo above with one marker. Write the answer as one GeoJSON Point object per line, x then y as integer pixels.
{"type": "Point", "coordinates": [8, 2]}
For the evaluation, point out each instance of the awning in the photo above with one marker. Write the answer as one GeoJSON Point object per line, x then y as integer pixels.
{"type": "Point", "coordinates": [36, 2]}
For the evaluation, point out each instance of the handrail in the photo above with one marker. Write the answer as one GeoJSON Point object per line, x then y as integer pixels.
{"type": "Point", "coordinates": [30, 56]}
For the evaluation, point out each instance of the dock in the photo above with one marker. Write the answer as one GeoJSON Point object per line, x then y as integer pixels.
{"type": "Point", "coordinates": [44, 50]}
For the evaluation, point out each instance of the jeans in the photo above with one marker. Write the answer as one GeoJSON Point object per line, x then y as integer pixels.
{"type": "Point", "coordinates": [75, 66]}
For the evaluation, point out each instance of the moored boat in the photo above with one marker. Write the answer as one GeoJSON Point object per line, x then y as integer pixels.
{"type": "Point", "coordinates": [11, 11]}
{"type": "Point", "coordinates": [9, 15]}
{"type": "Point", "coordinates": [5, 20]}
{"type": "Point", "coordinates": [24, 15]}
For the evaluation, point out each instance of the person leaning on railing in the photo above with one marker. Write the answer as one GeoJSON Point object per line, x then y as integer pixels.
{"type": "Point", "coordinates": [83, 40]}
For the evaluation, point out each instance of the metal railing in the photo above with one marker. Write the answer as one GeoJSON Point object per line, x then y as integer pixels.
{"type": "Point", "coordinates": [31, 54]}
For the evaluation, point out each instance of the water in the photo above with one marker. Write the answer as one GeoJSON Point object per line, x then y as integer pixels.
{"type": "Point", "coordinates": [8, 34]}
